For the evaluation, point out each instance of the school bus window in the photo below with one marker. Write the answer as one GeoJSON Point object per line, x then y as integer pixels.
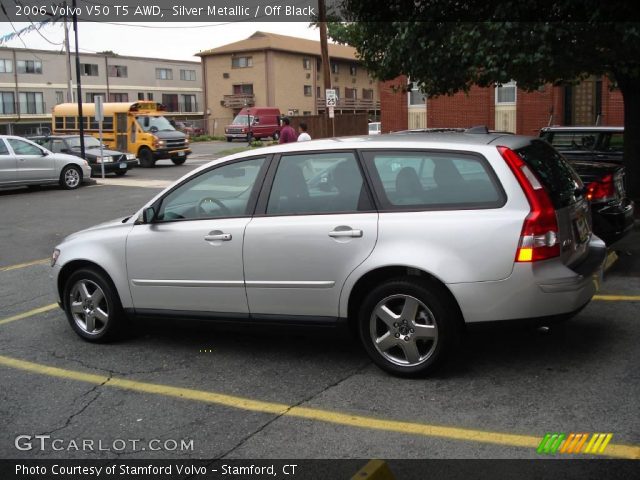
{"type": "Point", "coordinates": [107, 123]}
{"type": "Point", "coordinates": [59, 122]}
{"type": "Point", "coordinates": [70, 122]}
{"type": "Point", "coordinates": [95, 125]}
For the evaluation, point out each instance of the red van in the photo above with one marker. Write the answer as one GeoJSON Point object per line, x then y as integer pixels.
{"type": "Point", "coordinates": [254, 122]}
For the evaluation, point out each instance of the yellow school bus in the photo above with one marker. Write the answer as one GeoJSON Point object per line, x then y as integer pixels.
{"type": "Point", "coordinates": [134, 127]}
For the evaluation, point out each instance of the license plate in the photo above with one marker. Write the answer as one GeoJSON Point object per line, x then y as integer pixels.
{"type": "Point", "coordinates": [582, 227]}
{"type": "Point", "coordinates": [123, 165]}
{"type": "Point", "coordinates": [181, 154]}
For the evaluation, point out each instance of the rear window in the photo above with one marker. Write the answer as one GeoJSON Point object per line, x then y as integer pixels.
{"type": "Point", "coordinates": [572, 141]}
{"type": "Point", "coordinates": [433, 180]}
{"type": "Point", "coordinates": [553, 171]}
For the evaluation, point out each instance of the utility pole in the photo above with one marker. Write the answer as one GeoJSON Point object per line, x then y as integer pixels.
{"type": "Point", "coordinates": [78, 77]}
{"type": "Point", "coordinates": [66, 46]}
{"type": "Point", "coordinates": [324, 51]}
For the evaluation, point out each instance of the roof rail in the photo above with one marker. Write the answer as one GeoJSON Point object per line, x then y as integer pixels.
{"type": "Point", "coordinates": [477, 129]}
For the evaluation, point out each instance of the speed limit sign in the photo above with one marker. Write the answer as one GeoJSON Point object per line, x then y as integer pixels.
{"type": "Point", "coordinates": [332, 98]}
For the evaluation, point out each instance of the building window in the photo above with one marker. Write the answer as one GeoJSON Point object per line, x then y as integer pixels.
{"type": "Point", "coordinates": [31, 102]}
{"type": "Point", "coordinates": [335, 68]}
{"type": "Point", "coordinates": [189, 103]}
{"type": "Point", "coordinates": [306, 112]}
{"type": "Point", "coordinates": [306, 63]}
{"type": "Point", "coordinates": [318, 93]}
{"type": "Point", "coordinates": [506, 94]}
{"type": "Point", "coordinates": [351, 93]}
{"type": "Point", "coordinates": [91, 96]}
{"type": "Point", "coordinates": [353, 70]}
{"type": "Point", "coordinates": [140, 95]}
{"type": "Point", "coordinates": [6, 66]}
{"type": "Point", "coordinates": [89, 69]}
{"type": "Point", "coordinates": [241, 62]}
{"type": "Point", "coordinates": [244, 89]}
{"type": "Point", "coordinates": [164, 74]}
{"type": "Point", "coordinates": [29, 66]}
{"type": "Point", "coordinates": [367, 93]}
{"type": "Point", "coordinates": [307, 90]}
{"type": "Point", "coordinates": [189, 75]}
{"type": "Point", "coordinates": [7, 103]}
{"type": "Point", "coordinates": [170, 100]}
{"type": "Point", "coordinates": [337, 89]}
{"type": "Point", "coordinates": [118, 71]}
{"type": "Point", "coordinates": [416, 97]}
{"type": "Point", "coordinates": [59, 97]}
{"type": "Point", "coordinates": [118, 97]}
{"type": "Point", "coordinates": [149, 96]}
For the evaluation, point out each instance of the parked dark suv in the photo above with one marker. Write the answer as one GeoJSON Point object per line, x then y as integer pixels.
{"type": "Point", "coordinates": [596, 154]}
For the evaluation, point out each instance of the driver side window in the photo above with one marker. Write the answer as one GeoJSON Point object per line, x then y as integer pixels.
{"type": "Point", "coordinates": [219, 193]}
{"type": "Point", "coordinates": [21, 147]}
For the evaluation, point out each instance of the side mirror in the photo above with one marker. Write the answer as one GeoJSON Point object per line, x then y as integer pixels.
{"type": "Point", "coordinates": [148, 215]}
{"type": "Point", "coordinates": [44, 153]}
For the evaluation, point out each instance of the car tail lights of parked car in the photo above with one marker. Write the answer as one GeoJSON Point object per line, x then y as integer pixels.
{"type": "Point", "coordinates": [539, 239]}
{"type": "Point", "coordinates": [602, 189]}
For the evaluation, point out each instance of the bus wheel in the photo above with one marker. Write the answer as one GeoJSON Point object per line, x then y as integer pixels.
{"type": "Point", "coordinates": [178, 161]}
{"type": "Point", "coordinates": [146, 158]}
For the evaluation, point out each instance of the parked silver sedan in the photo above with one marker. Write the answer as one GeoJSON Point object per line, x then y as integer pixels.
{"type": "Point", "coordinates": [405, 238]}
{"type": "Point", "coordinates": [23, 162]}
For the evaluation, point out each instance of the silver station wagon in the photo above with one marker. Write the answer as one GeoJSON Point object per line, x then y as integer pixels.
{"type": "Point", "coordinates": [405, 238]}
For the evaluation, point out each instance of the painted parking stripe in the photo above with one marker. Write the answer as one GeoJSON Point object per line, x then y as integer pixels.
{"type": "Point", "coordinates": [18, 266]}
{"type": "Point", "coordinates": [30, 313]}
{"type": "Point", "coordinates": [315, 414]}
{"type": "Point", "coordinates": [618, 298]}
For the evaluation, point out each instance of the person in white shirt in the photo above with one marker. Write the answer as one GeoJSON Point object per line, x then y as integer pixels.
{"type": "Point", "coordinates": [304, 136]}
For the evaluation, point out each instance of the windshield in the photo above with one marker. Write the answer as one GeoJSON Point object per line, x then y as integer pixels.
{"type": "Point", "coordinates": [154, 124]}
{"type": "Point", "coordinates": [242, 119]}
{"type": "Point", "coordinates": [89, 142]}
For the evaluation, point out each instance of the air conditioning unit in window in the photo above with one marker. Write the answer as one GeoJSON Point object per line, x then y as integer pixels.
{"type": "Point", "coordinates": [308, 75]}
{"type": "Point", "coordinates": [225, 75]}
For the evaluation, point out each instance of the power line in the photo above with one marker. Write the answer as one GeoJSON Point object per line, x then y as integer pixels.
{"type": "Point", "coordinates": [18, 2]}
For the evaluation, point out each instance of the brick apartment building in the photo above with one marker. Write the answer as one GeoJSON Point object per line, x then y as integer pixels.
{"type": "Point", "coordinates": [505, 108]}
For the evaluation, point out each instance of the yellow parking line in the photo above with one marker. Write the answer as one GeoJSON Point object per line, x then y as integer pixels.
{"type": "Point", "coordinates": [30, 313]}
{"type": "Point", "coordinates": [26, 264]}
{"type": "Point", "coordinates": [317, 414]}
{"type": "Point", "coordinates": [618, 298]}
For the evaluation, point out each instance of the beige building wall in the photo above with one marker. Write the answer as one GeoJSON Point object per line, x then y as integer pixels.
{"type": "Point", "coordinates": [505, 118]}
{"type": "Point", "coordinates": [290, 78]}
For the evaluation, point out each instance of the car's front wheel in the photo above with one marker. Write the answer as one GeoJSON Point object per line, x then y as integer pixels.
{"type": "Point", "coordinates": [93, 307]}
{"type": "Point", "coordinates": [178, 161]}
{"type": "Point", "coordinates": [407, 327]}
{"type": "Point", "coordinates": [71, 177]}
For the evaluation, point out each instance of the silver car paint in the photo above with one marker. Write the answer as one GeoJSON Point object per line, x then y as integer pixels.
{"type": "Point", "coordinates": [475, 262]}
{"type": "Point", "coordinates": [35, 169]}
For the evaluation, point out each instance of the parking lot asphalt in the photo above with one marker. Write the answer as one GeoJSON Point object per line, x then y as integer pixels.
{"type": "Point", "coordinates": [247, 393]}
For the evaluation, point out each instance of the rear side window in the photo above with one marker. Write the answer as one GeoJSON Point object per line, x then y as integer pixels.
{"type": "Point", "coordinates": [422, 180]}
{"type": "Point", "coordinates": [554, 172]}
{"type": "Point", "coordinates": [565, 141]}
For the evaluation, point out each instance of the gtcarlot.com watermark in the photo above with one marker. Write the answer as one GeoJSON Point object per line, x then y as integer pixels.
{"type": "Point", "coordinates": [47, 443]}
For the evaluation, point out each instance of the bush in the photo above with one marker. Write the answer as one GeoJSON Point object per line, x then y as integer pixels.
{"type": "Point", "coordinates": [207, 138]}
{"type": "Point", "coordinates": [257, 143]}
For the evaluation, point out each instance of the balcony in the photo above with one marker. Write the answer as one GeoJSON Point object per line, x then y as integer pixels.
{"type": "Point", "coordinates": [351, 104]}
{"type": "Point", "coordinates": [238, 101]}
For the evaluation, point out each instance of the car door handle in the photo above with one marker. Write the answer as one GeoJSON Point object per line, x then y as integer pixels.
{"type": "Point", "coordinates": [345, 233]}
{"type": "Point", "coordinates": [212, 237]}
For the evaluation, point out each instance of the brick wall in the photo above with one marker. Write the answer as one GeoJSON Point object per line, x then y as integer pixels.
{"type": "Point", "coordinates": [462, 109]}
{"type": "Point", "coordinates": [394, 114]}
{"type": "Point", "coordinates": [612, 105]}
{"type": "Point", "coordinates": [534, 109]}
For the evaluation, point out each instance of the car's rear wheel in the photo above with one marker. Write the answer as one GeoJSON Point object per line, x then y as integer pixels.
{"type": "Point", "coordinates": [229, 139]}
{"type": "Point", "coordinates": [146, 158]}
{"type": "Point", "coordinates": [93, 307]}
{"type": "Point", "coordinates": [276, 136]}
{"type": "Point", "coordinates": [178, 161]}
{"type": "Point", "coordinates": [406, 327]}
{"type": "Point", "coordinates": [71, 177]}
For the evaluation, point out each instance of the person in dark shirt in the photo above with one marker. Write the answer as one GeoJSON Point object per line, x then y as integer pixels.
{"type": "Point", "coordinates": [287, 134]}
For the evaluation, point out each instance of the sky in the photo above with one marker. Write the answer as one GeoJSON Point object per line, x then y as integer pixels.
{"type": "Point", "coordinates": [176, 41]}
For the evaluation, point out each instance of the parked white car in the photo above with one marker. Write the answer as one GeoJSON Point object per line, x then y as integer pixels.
{"type": "Point", "coordinates": [23, 162]}
{"type": "Point", "coordinates": [406, 238]}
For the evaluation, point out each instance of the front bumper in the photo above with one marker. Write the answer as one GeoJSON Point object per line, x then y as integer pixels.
{"type": "Point", "coordinates": [110, 167]}
{"type": "Point", "coordinates": [170, 153]}
{"type": "Point", "coordinates": [534, 290]}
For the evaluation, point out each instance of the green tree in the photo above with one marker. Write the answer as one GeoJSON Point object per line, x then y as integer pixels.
{"type": "Point", "coordinates": [451, 56]}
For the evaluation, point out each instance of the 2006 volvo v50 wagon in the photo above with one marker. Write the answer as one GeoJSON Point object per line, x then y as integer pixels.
{"type": "Point", "coordinates": [406, 237]}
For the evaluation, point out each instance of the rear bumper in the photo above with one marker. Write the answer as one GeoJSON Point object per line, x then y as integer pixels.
{"type": "Point", "coordinates": [544, 289]}
{"type": "Point", "coordinates": [612, 222]}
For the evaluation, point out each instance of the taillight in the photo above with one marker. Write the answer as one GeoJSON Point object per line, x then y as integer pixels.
{"type": "Point", "coordinates": [602, 189]}
{"type": "Point", "coordinates": [539, 237]}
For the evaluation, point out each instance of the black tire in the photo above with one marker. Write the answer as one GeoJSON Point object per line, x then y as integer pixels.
{"type": "Point", "coordinates": [179, 161]}
{"type": "Point", "coordinates": [120, 173]}
{"type": "Point", "coordinates": [276, 136]}
{"type": "Point", "coordinates": [229, 139]}
{"type": "Point", "coordinates": [71, 177]}
{"type": "Point", "coordinates": [146, 158]}
{"type": "Point", "coordinates": [434, 315]}
{"type": "Point", "coordinates": [103, 331]}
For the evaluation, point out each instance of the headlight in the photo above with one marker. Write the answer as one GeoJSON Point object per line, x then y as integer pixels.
{"type": "Point", "coordinates": [54, 256]}
{"type": "Point", "coordinates": [131, 156]}
{"type": "Point", "coordinates": [86, 164]}
{"type": "Point", "coordinates": [104, 159]}
{"type": "Point", "coordinates": [161, 142]}
{"type": "Point", "coordinates": [186, 141]}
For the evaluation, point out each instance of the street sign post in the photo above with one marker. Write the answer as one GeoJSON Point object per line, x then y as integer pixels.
{"type": "Point", "coordinates": [99, 114]}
